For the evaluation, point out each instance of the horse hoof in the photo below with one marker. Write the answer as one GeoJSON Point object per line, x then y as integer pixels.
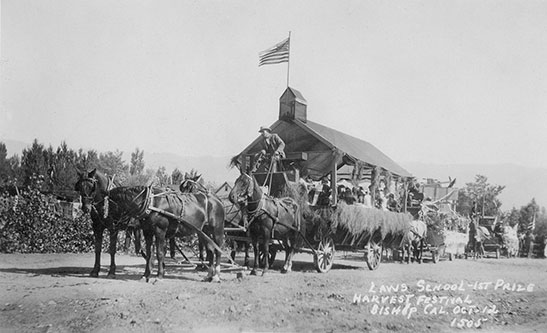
{"type": "Point", "coordinates": [94, 274]}
{"type": "Point", "coordinates": [208, 279]}
{"type": "Point", "coordinates": [253, 272]}
{"type": "Point", "coordinates": [216, 279]}
{"type": "Point", "coordinates": [111, 276]}
{"type": "Point", "coordinates": [144, 279]}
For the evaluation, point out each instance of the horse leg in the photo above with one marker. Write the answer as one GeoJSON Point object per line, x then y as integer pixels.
{"type": "Point", "coordinates": [172, 247]}
{"type": "Point", "coordinates": [266, 255]}
{"type": "Point", "coordinates": [148, 238]}
{"type": "Point", "coordinates": [408, 252]}
{"type": "Point", "coordinates": [137, 240]}
{"type": "Point", "coordinates": [160, 251]}
{"type": "Point", "coordinates": [127, 241]}
{"type": "Point", "coordinates": [256, 255]}
{"type": "Point", "coordinates": [421, 251]}
{"type": "Point", "coordinates": [266, 248]}
{"type": "Point", "coordinates": [219, 240]}
{"type": "Point", "coordinates": [112, 250]}
{"type": "Point", "coordinates": [289, 252]}
{"type": "Point", "coordinates": [98, 230]}
{"type": "Point", "coordinates": [246, 245]}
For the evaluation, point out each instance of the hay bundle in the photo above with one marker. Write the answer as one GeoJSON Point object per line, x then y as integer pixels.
{"type": "Point", "coordinates": [510, 240]}
{"type": "Point", "coordinates": [349, 224]}
{"type": "Point", "coordinates": [358, 223]}
{"type": "Point", "coordinates": [455, 242]}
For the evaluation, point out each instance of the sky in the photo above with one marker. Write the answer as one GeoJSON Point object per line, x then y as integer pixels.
{"type": "Point", "coordinates": [430, 81]}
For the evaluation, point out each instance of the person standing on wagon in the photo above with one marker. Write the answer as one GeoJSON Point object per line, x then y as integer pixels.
{"type": "Point", "coordinates": [273, 148]}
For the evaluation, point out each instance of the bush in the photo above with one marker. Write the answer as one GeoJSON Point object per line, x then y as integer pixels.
{"type": "Point", "coordinates": [28, 224]}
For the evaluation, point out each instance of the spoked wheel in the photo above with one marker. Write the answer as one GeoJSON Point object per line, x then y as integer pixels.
{"type": "Point", "coordinates": [373, 254]}
{"type": "Point", "coordinates": [324, 256]}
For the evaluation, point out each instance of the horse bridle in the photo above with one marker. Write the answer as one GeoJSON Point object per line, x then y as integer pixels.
{"type": "Point", "coordinates": [91, 198]}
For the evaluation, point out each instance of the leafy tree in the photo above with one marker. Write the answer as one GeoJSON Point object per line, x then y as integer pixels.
{"type": "Point", "coordinates": [177, 177]}
{"type": "Point", "coordinates": [86, 161]}
{"type": "Point", "coordinates": [528, 214]}
{"type": "Point", "coordinates": [15, 173]}
{"type": "Point", "coordinates": [62, 172]}
{"type": "Point", "coordinates": [513, 217]}
{"type": "Point", "coordinates": [481, 194]}
{"type": "Point", "coordinates": [137, 162]}
{"type": "Point", "coordinates": [112, 164]}
{"type": "Point", "coordinates": [162, 178]}
{"type": "Point", "coordinates": [4, 166]}
{"type": "Point", "coordinates": [33, 162]}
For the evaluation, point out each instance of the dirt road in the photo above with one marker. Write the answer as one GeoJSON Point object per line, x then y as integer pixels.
{"type": "Point", "coordinates": [53, 293]}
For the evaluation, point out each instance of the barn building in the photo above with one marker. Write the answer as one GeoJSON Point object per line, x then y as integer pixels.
{"type": "Point", "coordinates": [317, 151]}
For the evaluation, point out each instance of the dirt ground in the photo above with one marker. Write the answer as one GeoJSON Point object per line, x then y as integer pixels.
{"type": "Point", "coordinates": [53, 293]}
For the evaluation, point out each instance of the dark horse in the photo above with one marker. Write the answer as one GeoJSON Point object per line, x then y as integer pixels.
{"type": "Point", "coordinates": [193, 183]}
{"type": "Point", "coordinates": [269, 218]}
{"type": "Point", "coordinates": [164, 212]}
{"type": "Point", "coordinates": [93, 188]}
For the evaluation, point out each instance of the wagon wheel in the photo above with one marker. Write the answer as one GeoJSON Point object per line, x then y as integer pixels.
{"type": "Point", "coordinates": [323, 258]}
{"type": "Point", "coordinates": [373, 254]}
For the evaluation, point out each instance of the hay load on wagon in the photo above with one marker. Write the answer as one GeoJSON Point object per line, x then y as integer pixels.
{"type": "Point", "coordinates": [353, 225]}
{"type": "Point", "coordinates": [335, 176]}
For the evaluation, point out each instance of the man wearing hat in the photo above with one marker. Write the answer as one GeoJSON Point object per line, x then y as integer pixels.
{"type": "Point", "coordinates": [272, 147]}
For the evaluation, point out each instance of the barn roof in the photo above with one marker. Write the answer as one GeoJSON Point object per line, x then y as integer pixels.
{"type": "Point", "coordinates": [358, 149]}
{"type": "Point", "coordinates": [320, 141]}
{"type": "Point", "coordinates": [324, 145]}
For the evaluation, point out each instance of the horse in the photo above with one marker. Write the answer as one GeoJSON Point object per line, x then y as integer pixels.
{"type": "Point", "coordinates": [414, 240]}
{"type": "Point", "coordinates": [193, 183]}
{"type": "Point", "coordinates": [269, 218]}
{"type": "Point", "coordinates": [477, 236]}
{"type": "Point", "coordinates": [93, 188]}
{"type": "Point", "coordinates": [165, 212]}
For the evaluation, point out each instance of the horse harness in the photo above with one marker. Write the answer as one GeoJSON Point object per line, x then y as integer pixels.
{"type": "Point", "coordinates": [261, 211]}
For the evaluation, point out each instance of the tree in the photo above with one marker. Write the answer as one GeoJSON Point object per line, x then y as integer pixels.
{"type": "Point", "coordinates": [112, 164]}
{"type": "Point", "coordinates": [62, 172]}
{"type": "Point", "coordinates": [86, 161]}
{"type": "Point", "coordinates": [512, 218]}
{"type": "Point", "coordinates": [528, 216]}
{"type": "Point", "coordinates": [177, 177]}
{"type": "Point", "coordinates": [4, 167]}
{"type": "Point", "coordinates": [33, 162]}
{"type": "Point", "coordinates": [137, 162]}
{"type": "Point", "coordinates": [480, 194]}
{"type": "Point", "coordinates": [161, 177]}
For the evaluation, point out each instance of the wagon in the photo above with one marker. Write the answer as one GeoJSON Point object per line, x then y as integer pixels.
{"type": "Point", "coordinates": [314, 151]}
{"type": "Point", "coordinates": [327, 228]}
{"type": "Point", "coordinates": [495, 242]}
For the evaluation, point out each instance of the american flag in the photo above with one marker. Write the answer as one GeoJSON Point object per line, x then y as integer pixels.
{"type": "Point", "coordinates": [532, 224]}
{"type": "Point", "coordinates": [276, 54]}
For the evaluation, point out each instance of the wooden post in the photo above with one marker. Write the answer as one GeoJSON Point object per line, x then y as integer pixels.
{"type": "Point", "coordinates": [405, 187]}
{"type": "Point", "coordinates": [333, 177]}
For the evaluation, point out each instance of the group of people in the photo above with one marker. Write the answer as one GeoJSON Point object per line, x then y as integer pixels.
{"type": "Point", "coordinates": [319, 193]}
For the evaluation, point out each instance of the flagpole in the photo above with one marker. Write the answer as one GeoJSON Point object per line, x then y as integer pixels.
{"type": "Point", "coordinates": [289, 60]}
